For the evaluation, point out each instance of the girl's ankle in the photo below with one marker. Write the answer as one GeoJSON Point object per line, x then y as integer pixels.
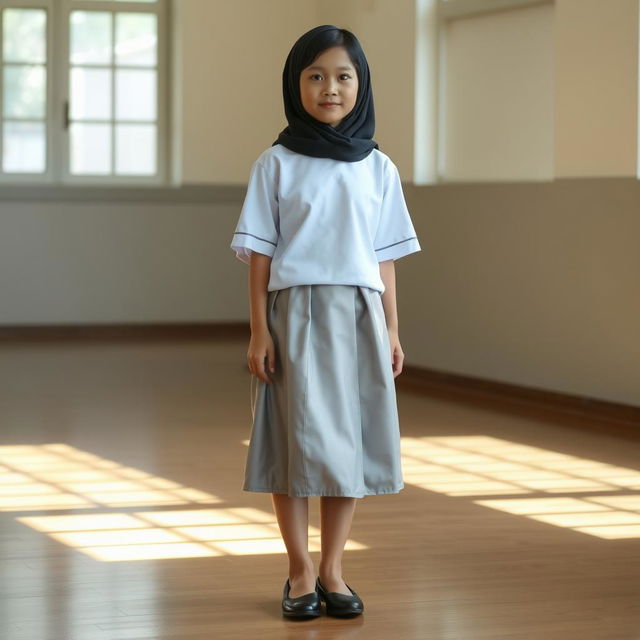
{"type": "Point", "coordinates": [334, 573]}
{"type": "Point", "coordinates": [302, 570]}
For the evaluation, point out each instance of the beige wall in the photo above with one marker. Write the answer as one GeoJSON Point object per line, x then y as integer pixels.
{"type": "Point", "coordinates": [232, 54]}
{"type": "Point", "coordinates": [229, 59]}
{"type": "Point", "coordinates": [596, 86]}
{"type": "Point", "coordinates": [228, 67]}
{"type": "Point", "coordinates": [498, 86]}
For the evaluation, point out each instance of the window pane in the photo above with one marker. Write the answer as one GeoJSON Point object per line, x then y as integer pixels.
{"type": "Point", "coordinates": [136, 39]}
{"type": "Point", "coordinates": [90, 37]}
{"type": "Point", "coordinates": [24, 35]}
{"type": "Point", "coordinates": [90, 94]}
{"type": "Point", "coordinates": [124, 40]}
{"type": "Point", "coordinates": [24, 147]}
{"type": "Point", "coordinates": [90, 148]}
{"type": "Point", "coordinates": [24, 91]}
{"type": "Point", "coordinates": [135, 95]}
{"type": "Point", "coordinates": [136, 149]}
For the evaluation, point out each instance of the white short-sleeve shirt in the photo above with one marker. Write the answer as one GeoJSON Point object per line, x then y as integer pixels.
{"type": "Point", "coordinates": [324, 221]}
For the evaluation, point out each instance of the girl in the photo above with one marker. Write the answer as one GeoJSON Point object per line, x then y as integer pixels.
{"type": "Point", "coordinates": [323, 220]}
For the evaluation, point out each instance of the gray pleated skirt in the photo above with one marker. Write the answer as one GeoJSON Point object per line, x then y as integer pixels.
{"type": "Point", "coordinates": [327, 424]}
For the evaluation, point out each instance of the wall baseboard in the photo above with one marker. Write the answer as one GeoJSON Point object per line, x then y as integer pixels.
{"type": "Point", "coordinates": [570, 410]}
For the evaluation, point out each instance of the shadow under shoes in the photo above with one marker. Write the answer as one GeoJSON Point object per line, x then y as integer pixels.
{"type": "Point", "coordinates": [305, 606]}
{"type": "Point", "coordinates": [340, 604]}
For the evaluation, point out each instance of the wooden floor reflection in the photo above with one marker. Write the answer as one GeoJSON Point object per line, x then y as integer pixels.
{"type": "Point", "coordinates": [122, 514]}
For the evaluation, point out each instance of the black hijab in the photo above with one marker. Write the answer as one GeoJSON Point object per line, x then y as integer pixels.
{"type": "Point", "coordinates": [351, 140]}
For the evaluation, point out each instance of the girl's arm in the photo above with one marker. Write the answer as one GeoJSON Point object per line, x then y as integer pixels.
{"type": "Point", "coordinates": [388, 275]}
{"type": "Point", "coordinates": [259, 269]}
{"type": "Point", "coordinates": [261, 343]}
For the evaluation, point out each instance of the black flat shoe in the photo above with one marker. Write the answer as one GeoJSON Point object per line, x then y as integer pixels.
{"type": "Point", "coordinates": [340, 604]}
{"type": "Point", "coordinates": [305, 606]}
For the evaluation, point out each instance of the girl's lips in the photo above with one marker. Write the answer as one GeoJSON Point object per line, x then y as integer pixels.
{"type": "Point", "coordinates": [330, 104]}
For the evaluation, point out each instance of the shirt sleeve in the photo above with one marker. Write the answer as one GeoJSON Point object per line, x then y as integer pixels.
{"type": "Point", "coordinates": [259, 223]}
{"type": "Point", "coordinates": [395, 236]}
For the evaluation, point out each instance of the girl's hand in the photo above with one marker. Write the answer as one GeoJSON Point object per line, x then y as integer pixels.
{"type": "Point", "coordinates": [397, 355]}
{"type": "Point", "coordinates": [260, 348]}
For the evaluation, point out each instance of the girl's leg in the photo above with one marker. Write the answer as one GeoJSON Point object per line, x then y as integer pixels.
{"type": "Point", "coordinates": [336, 515]}
{"type": "Point", "coordinates": [293, 520]}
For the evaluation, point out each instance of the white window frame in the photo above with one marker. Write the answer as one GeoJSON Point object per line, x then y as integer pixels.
{"type": "Point", "coordinates": [57, 94]}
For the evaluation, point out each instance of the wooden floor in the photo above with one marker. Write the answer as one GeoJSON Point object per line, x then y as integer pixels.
{"type": "Point", "coordinates": [122, 514]}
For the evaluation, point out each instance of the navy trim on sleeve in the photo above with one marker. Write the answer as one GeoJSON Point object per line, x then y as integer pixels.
{"type": "Point", "coordinates": [244, 233]}
{"type": "Point", "coordinates": [395, 243]}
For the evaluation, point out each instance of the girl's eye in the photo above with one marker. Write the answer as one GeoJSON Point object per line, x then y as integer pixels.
{"type": "Point", "coordinates": [344, 75]}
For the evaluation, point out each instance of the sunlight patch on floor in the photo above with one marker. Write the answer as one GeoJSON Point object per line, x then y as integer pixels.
{"type": "Point", "coordinates": [149, 535]}
{"type": "Point", "coordinates": [609, 517]}
{"type": "Point", "coordinates": [59, 476]}
{"type": "Point", "coordinates": [483, 465]}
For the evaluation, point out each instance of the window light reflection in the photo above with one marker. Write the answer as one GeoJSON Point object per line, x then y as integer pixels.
{"type": "Point", "coordinates": [59, 476]}
{"type": "Point", "coordinates": [482, 465]}
{"type": "Point", "coordinates": [149, 535]}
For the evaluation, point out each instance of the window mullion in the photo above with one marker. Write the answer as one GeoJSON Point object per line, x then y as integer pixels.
{"type": "Point", "coordinates": [58, 94]}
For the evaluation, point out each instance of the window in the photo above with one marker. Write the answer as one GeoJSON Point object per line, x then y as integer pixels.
{"type": "Point", "coordinates": [82, 88]}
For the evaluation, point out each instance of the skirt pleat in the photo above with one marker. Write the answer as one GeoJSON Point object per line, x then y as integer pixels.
{"type": "Point", "coordinates": [327, 424]}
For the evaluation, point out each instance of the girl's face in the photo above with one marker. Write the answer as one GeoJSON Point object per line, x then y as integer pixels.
{"type": "Point", "coordinates": [329, 86]}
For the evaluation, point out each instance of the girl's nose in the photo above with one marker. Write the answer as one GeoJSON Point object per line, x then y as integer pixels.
{"type": "Point", "coordinates": [330, 87]}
